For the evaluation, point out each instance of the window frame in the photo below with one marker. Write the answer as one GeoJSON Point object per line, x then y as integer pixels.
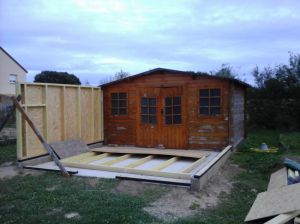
{"type": "Point", "coordinates": [172, 115]}
{"type": "Point", "coordinates": [209, 99]}
{"type": "Point", "coordinates": [148, 114]}
{"type": "Point", "coordinates": [10, 81]}
{"type": "Point", "coordinates": [118, 106]}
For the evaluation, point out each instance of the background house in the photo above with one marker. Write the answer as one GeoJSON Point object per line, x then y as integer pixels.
{"type": "Point", "coordinates": [11, 72]}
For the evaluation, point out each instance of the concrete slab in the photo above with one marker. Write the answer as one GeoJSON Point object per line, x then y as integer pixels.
{"type": "Point", "coordinates": [69, 148]}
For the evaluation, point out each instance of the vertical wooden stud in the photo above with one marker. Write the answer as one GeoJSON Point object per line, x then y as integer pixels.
{"type": "Point", "coordinates": [79, 111]}
{"type": "Point", "coordinates": [19, 126]}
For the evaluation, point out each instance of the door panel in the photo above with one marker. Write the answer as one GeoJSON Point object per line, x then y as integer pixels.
{"type": "Point", "coordinates": [161, 118]}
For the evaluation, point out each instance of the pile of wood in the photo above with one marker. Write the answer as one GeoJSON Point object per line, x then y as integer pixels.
{"type": "Point", "coordinates": [279, 204]}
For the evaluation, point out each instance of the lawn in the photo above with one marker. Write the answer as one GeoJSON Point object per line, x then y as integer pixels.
{"type": "Point", "coordinates": [46, 198]}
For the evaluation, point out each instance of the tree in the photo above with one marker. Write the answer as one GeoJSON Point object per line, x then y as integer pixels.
{"type": "Point", "coordinates": [121, 75]}
{"type": "Point", "coordinates": [57, 77]}
{"type": "Point", "coordinates": [225, 71]}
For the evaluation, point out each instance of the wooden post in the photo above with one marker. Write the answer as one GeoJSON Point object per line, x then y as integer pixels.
{"type": "Point", "coordinates": [40, 137]}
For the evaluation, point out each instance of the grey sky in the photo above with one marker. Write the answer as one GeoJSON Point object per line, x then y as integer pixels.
{"type": "Point", "coordinates": [95, 39]}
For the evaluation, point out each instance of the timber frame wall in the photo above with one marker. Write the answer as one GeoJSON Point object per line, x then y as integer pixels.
{"type": "Point", "coordinates": [60, 112]}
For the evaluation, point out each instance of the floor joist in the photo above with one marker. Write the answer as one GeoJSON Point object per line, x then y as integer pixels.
{"type": "Point", "coordinates": [94, 158]}
{"type": "Point", "coordinates": [114, 161]}
{"type": "Point", "coordinates": [193, 166]}
{"type": "Point", "coordinates": [140, 162]}
{"type": "Point", "coordinates": [79, 157]}
{"type": "Point", "coordinates": [165, 164]}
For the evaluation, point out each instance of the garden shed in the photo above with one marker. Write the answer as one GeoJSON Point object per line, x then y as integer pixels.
{"type": "Point", "coordinates": [164, 108]}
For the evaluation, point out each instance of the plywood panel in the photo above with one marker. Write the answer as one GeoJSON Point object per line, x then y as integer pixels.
{"type": "Point", "coordinates": [60, 112]}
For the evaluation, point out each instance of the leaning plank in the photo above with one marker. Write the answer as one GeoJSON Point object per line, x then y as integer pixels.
{"type": "Point", "coordinates": [139, 162]}
{"type": "Point", "coordinates": [152, 151]}
{"type": "Point", "coordinates": [194, 165]}
{"type": "Point", "coordinates": [116, 160]}
{"type": "Point", "coordinates": [283, 218]}
{"type": "Point", "coordinates": [128, 170]}
{"type": "Point", "coordinates": [278, 179]}
{"type": "Point", "coordinates": [165, 164]}
{"type": "Point", "coordinates": [274, 202]}
{"type": "Point", "coordinates": [40, 137]}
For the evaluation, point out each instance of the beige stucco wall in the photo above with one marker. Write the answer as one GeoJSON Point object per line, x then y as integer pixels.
{"type": "Point", "coordinates": [7, 67]}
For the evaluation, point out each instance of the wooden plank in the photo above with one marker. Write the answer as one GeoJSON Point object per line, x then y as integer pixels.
{"type": "Point", "coordinates": [41, 138]}
{"type": "Point", "coordinates": [79, 157]}
{"type": "Point", "coordinates": [165, 164]}
{"type": "Point", "coordinates": [79, 111]}
{"type": "Point", "coordinates": [274, 202]}
{"type": "Point", "coordinates": [152, 151]}
{"type": "Point", "coordinates": [19, 127]}
{"type": "Point", "coordinates": [283, 218]}
{"type": "Point", "coordinates": [46, 113]}
{"type": "Point", "coordinates": [93, 158]}
{"type": "Point", "coordinates": [140, 162]}
{"type": "Point", "coordinates": [128, 170]}
{"type": "Point", "coordinates": [194, 165]}
{"type": "Point", "coordinates": [278, 179]}
{"type": "Point", "coordinates": [116, 160]}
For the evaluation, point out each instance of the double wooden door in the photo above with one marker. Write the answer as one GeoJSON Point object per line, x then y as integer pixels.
{"type": "Point", "coordinates": [161, 117]}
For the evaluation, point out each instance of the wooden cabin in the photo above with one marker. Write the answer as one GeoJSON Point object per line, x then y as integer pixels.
{"type": "Point", "coordinates": [164, 108]}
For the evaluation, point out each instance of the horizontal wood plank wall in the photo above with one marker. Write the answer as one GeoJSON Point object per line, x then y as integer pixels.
{"type": "Point", "coordinates": [202, 132]}
{"type": "Point", "coordinates": [60, 112]}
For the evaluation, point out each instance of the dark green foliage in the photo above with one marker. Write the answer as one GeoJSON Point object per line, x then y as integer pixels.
{"type": "Point", "coordinates": [57, 77]}
{"type": "Point", "coordinates": [225, 71]}
{"type": "Point", "coordinates": [275, 103]}
{"type": "Point", "coordinates": [8, 153]}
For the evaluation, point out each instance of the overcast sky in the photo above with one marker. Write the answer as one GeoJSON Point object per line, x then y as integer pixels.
{"type": "Point", "coordinates": [95, 39]}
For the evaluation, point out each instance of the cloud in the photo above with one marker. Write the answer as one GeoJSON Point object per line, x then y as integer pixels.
{"type": "Point", "coordinates": [95, 39]}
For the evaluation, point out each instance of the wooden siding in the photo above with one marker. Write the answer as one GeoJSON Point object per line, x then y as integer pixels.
{"type": "Point", "coordinates": [196, 131]}
{"type": "Point", "coordinates": [60, 112]}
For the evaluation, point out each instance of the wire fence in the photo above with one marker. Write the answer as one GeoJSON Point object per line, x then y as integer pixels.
{"type": "Point", "coordinates": [8, 134]}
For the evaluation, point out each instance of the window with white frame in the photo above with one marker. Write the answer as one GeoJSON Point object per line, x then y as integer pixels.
{"type": "Point", "coordinates": [12, 78]}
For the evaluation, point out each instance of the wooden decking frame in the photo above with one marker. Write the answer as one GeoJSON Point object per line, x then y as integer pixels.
{"type": "Point", "coordinates": [84, 161]}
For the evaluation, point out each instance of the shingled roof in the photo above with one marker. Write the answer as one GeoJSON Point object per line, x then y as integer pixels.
{"type": "Point", "coordinates": [165, 70]}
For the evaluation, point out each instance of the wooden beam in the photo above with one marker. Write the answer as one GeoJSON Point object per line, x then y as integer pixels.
{"type": "Point", "coordinates": [283, 218]}
{"type": "Point", "coordinates": [140, 162]}
{"type": "Point", "coordinates": [93, 158]}
{"type": "Point", "coordinates": [194, 165]}
{"type": "Point", "coordinates": [41, 138]}
{"type": "Point", "coordinates": [116, 160]}
{"type": "Point", "coordinates": [184, 176]}
{"type": "Point", "coordinates": [165, 164]}
{"type": "Point", "coordinates": [79, 157]}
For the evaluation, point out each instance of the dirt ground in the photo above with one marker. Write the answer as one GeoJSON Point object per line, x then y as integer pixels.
{"type": "Point", "coordinates": [180, 202]}
{"type": "Point", "coordinates": [10, 170]}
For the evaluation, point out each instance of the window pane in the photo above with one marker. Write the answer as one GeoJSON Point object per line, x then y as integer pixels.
{"type": "Point", "coordinates": [177, 100]}
{"type": "Point", "coordinates": [215, 92]}
{"type": "Point", "coordinates": [204, 92]}
{"type": "Point", "coordinates": [152, 101]}
{"type": "Point", "coordinates": [114, 111]}
{"type": "Point", "coordinates": [177, 119]}
{"type": "Point", "coordinates": [204, 110]}
{"type": "Point", "coordinates": [152, 119]}
{"type": "Point", "coordinates": [215, 110]}
{"type": "Point", "coordinates": [122, 111]}
{"type": "Point", "coordinates": [204, 102]}
{"type": "Point", "coordinates": [144, 110]}
{"type": "Point", "coordinates": [144, 101]}
{"type": "Point", "coordinates": [114, 103]}
{"type": "Point", "coordinates": [122, 103]}
{"type": "Point", "coordinates": [144, 119]}
{"type": "Point", "coordinates": [168, 101]}
{"type": "Point", "coordinates": [114, 96]}
{"type": "Point", "coordinates": [168, 110]}
{"type": "Point", "coordinates": [152, 110]}
{"type": "Point", "coordinates": [215, 101]}
{"type": "Point", "coordinates": [168, 119]}
{"type": "Point", "coordinates": [123, 96]}
{"type": "Point", "coordinates": [177, 110]}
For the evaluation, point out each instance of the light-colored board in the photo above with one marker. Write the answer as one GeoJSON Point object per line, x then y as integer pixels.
{"type": "Point", "coordinates": [194, 165]}
{"type": "Point", "coordinates": [61, 112]}
{"type": "Point", "coordinates": [283, 218]}
{"type": "Point", "coordinates": [165, 164]}
{"type": "Point", "coordinates": [140, 162]}
{"type": "Point", "coordinates": [79, 157]}
{"type": "Point", "coordinates": [116, 160]}
{"type": "Point", "coordinates": [153, 151]}
{"type": "Point", "coordinates": [94, 158]}
{"type": "Point", "coordinates": [275, 202]}
{"type": "Point", "coordinates": [127, 170]}
{"type": "Point", "coordinates": [278, 179]}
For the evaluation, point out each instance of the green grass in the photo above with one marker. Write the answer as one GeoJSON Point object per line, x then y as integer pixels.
{"type": "Point", "coordinates": [8, 153]}
{"type": "Point", "coordinates": [46, 198]}
{"type": "Point", "coordinates": [290, 141]}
